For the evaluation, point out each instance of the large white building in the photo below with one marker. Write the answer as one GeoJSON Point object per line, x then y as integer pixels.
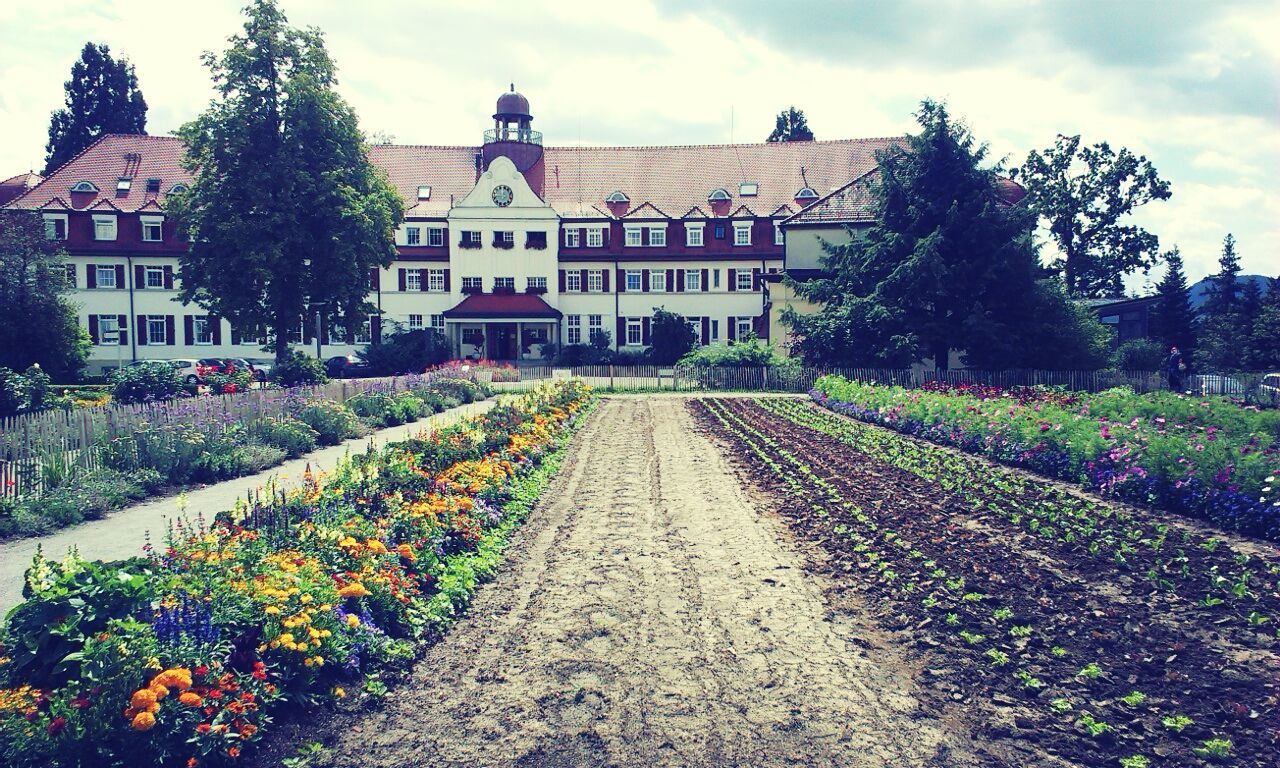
{"type": "Point", "coordinates": [507, 247]}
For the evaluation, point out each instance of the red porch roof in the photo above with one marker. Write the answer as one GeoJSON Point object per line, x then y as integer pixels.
{"type": "Point", "coordinates": [503, 306]}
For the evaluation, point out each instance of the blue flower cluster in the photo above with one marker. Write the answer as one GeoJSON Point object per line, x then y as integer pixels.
{"type": "Point", "coordinates": [190, 618]}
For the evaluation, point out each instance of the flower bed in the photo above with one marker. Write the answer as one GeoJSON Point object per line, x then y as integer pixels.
{"type": "Point", "coordinates": [499, 372]}
{"type": "Point", "coordinates": [1206, 458]}
{"type": "Point", "coordinates": [181, 656]}
{"type": "Point", "coordinates": [186, 448]}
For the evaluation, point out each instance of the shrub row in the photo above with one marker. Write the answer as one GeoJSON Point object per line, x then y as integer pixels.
{"type": "Point", "coordinates": [155, 456]}
{"type": "Point", "coordinates": [182, 656]}
{"type": "Point", "coordinates": [1203, 457]}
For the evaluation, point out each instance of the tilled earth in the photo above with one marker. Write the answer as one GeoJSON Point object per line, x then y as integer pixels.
{"type": "Point", "coordinates": [653, 612]}
{"type": "Point", "coordinates": [1163, 645]}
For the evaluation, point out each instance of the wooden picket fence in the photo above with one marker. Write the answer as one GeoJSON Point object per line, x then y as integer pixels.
{"type": "Point", "coordinates": [36, 447]}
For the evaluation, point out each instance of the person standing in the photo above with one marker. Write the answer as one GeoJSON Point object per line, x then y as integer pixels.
{"type": "Point", "coordinates": [1176, 369]}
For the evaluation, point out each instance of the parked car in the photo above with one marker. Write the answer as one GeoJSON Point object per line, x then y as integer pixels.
{"type": "Point", "coordinates": [209, 365]}
{"type": "Point", "coordinates": [262, 367]}
{"type": "Point", "coordinates": [347, 367]}
{"type": "Point", "coordinates": [243, 364]}
{"type": "Point", "coordinates": [187, 370]}
{"type": "Point", "coordinates": [1269, 388]}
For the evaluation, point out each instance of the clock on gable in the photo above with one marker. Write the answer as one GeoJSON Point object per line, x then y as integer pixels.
{"type": "Point", "coordinates": [502, 195]}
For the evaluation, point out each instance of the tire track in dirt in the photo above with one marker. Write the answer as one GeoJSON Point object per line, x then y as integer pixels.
{"type": "Point", "coordinates": [650, 615]}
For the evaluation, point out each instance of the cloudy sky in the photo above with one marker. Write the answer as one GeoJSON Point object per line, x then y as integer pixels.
{"type": "Point", "coordinates": [1195, 86]}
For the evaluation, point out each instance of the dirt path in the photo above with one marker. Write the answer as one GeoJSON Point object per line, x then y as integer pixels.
{"type": "Point", "coordinates": [650, 615]}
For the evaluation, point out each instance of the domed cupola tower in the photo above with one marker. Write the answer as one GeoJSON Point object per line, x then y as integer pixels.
{"type": "Point", "coordinates": [512, 137]}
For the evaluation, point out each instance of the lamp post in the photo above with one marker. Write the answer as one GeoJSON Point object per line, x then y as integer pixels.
{"type": "Point", "coordinates": [318, 307]}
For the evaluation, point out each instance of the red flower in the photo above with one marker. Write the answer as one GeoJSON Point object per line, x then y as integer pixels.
{"type": "Point", "coordinates": [203, 728]}
{"type": "Point", "coordinates": [56, 726]}
{"type": "Point", "coordinates": [202, 670]}
{"type": "Point", "coordinates": [81, 702]}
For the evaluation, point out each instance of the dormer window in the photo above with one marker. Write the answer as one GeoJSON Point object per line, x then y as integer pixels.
{"type": "Point", "coordinates": [177, 189]}
{"type": "Point", "coordinates": [748, 189]}
{"type": "Point", "coordinates": [424, 192]}
{"type": "Point", "coordinates": [84, 186]}
{"type": "Point", "coordinates": [617, 197]}
{"type": "Point", "coordinates": [123, 184]}
{"type": "Point", "coordinates": [807, 193]}
{"type": "Point", "coordinates": [718, 196]}
{"type": "Point", "coordinates": [153, 186]}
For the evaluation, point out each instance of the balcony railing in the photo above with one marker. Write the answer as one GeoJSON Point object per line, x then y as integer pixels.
{"type": "Point", "coordinates": [524, 137]}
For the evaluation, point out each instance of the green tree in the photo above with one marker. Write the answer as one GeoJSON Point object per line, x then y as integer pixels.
{"type": "Point", "coordinates": [670, 336]}
{"type": "Point", "coordinates": [791, 126]}
{"type": "Point", "coordinates": [33, 285]}
{"type": "Point", "coordinates": [102, 97]}
{"type": "Point", "coordinates": [1223, 337]}
{"type": "Point", "coordinates": [947, 266]}
{"type": "Point", "coordinates": [1264, 344]}
{"type": "Point", "coordinates": [285, 209]}
{"type": "Point", "coordinates": [1085, 195]}
{"type": "Point", "coordinates": [1173, 322]}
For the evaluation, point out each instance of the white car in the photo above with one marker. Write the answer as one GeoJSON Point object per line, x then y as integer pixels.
{"type": "Point", "coordinates": [186, 369]}
{"type": "Point", "coordinates": [1269, 387]}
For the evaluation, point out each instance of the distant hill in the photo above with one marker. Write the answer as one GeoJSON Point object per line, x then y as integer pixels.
{"type": "Point", "coordinates": [1200, 291]}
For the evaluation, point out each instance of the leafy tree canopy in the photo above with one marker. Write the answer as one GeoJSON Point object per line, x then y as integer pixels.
{"type": "Point", "coordinates": [791, 126]}
{"type": "Point", "coordinates": [410, 351]}
{"type": "Point", "coordinates": [33, 285]}
{"type": "Point", "coordinates": [671, 337]}
{"type": "Point", "coordinates": [285, 209]}
{"type": "Point", "coordinates": [1085, 194]}
{"type": "Point", "coordinates": [947, 266]}
{"type": "Point", "coordinates": [102, 97]}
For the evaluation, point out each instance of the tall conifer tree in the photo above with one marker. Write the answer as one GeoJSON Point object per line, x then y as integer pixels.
{"type": "Point", "coordinates": [102, 97]}
{"type": "Point", "coordinates": [1172, 319]}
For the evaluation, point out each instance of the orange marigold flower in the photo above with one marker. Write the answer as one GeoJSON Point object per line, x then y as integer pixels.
{"type": "Point", "coordinates": [142, 699]}
{"type": "Point", "coordinates": [203, 728]}
{"type": "Point", "coordinates": [248, 730]}
{"type": "Point", "coordinates": [405, 551]}
{"type": "Point", "coordinates": [191, 699]}
{"type": "Point", "coordinates": [355, 589]}
{"type": "Point", "coordinates": [192, 762]}
{"type": "Point", "coordinates": [144, 721]}
{"type": "Point", "coordinates": [233, 752]}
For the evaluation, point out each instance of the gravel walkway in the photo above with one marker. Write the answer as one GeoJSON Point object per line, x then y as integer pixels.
{"type": "Point", "coordinates": [121, 534]}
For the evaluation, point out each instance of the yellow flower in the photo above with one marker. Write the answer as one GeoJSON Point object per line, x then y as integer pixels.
{"type": "Point", "coordinates": [339, 692]}
{"type": "Point", "coordinates": [272, 610]}
{"type": "Point", "coordinates": [353, 620]}
{"type": "Point", "coordinates": [144, 721]}
{"type": "Point", "coordinates": [142, 698]}
{"type": "Point", "coordinates": [191, 699]}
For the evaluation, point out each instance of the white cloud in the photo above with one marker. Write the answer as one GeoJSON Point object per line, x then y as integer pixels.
{"type": "Point", "coordinates": [429, 73]}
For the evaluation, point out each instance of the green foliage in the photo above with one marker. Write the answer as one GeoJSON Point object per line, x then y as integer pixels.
{"type": "Point", "coordinates": [1140, 355]}
{"type": "Point", "coordinates": [229, 383]}
{"type": "Point", "coordinates": [947, 266]}
{"type": "Point", "coordinates": [384, 409]}
{"type": "Point", "coordinates": [1085, 195]}
{"type": "Point", "coordinates": [13, 392]}
{"type": "Point", "coordinates": [1062, 334]}
{"type": "Point", "coordinates": [752, 353]}
{"type": "Point", "coordinates": [1172, 319]}
{"type": "Point", "coordinates": [285, 207]}
{"type": "Point", "coordinates": [298, 370]}
{"type": "Point", "coordinates": [671, 336]}
{"type": "Point", "coordinates": [791, 125]}
{"type": "Point", "coordinates": [145, 383]}
{"type": "Point", "coordinates": [292, 436]}
{"type": "Point", "coordinates": [77, 600]}
{"type": "Point", "coordinates": [1264, 343]}
{"type": "Point", "coordinates": [407, 352]}
{"type": "Point", "coordinates": [76, 499]}
{"type": "Point", "coordinates": [333, 422]}
{"type": "Point", "coordinates": [31, 286]}
{"type": "Point", "coordinates": [102, 97]}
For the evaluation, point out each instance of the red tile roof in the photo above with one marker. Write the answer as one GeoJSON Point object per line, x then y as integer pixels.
{"type": "Point", "coordinates": [504, 306]}
{"type": "Point", "coordinates": [577, 179]}
{"type": "Point", "coordinates": [14, 186]}
{"type": "Point", "coordinates": [104, 162]}
{"type": "Point", "coordinates": [854, 203]}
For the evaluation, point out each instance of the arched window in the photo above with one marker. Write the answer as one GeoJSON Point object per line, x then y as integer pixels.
{"type": "Point", "coordinates": [617, 197]}
{"type": "Point", "coordinates": [807, 193]}
{"type": "Point", "coordinates": [718, 196]}
{"type": "Point", "coordinates": [84, 186]}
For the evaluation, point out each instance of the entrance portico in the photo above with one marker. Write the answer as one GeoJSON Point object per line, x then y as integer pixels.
{"type": "Point", "coordinates": [503, 327]}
